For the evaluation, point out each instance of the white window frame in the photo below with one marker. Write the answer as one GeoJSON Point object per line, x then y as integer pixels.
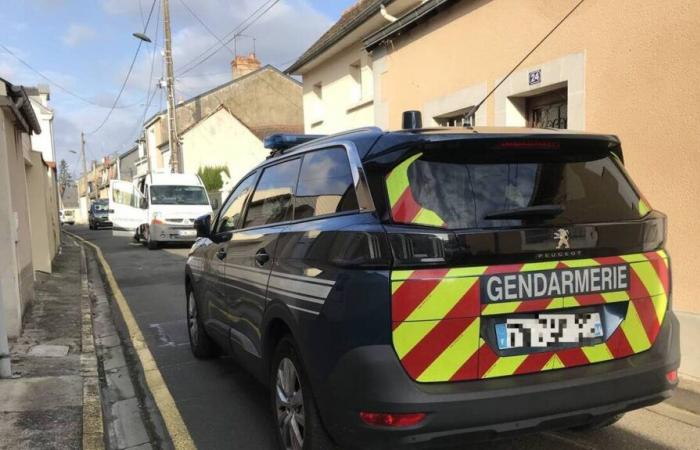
{"type": "Point", "coordinates": [569, 70]}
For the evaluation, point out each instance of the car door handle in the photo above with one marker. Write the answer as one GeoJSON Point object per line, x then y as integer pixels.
{"type": "Point", "coordinates": [261, 257]}
{"type": "Point", "coordinates": [221, 254]}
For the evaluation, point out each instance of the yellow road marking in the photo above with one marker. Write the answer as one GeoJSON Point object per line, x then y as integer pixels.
{"type": "Point", "coordinates": [161, 394]}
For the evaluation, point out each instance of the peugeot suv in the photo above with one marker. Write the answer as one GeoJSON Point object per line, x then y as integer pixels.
{"type": "Point", "coordinates": [436, 286]}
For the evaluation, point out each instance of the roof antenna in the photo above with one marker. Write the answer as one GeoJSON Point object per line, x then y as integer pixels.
{"type": "Point", "coordinates": [471, 113]}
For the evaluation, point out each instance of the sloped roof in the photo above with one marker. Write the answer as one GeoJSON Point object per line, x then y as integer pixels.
{"type": "Point", "coordinates": [351, 19]}
{"type": "Point", "coordinates": [260, 131]}
{"type": "Point", "coordinates": [221, 86]}
{"type": "Point", "coordinates": [21, 106]}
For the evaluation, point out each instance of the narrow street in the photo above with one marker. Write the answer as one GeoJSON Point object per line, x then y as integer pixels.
{"type": "Point", "coordinates": [224, 408]}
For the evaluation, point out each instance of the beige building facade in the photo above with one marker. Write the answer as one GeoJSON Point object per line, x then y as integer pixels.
{"type": "Point", "coordinates": [226, 125]}
{"type": "Point", "coordinates": [625, 67]}
{"type": "Point", "coordinates": [29, 231]}
{"type": "Point", "coordinates": [339, 74]}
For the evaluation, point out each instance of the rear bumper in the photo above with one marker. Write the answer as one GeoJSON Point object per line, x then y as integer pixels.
{"type": "Point", "coordinates": [372, 379]}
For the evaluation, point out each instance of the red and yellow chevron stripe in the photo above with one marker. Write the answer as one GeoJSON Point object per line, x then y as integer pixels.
{"type": "Point", "coordinates": [404, 207]}
{"type": "Point", "coordinates": [436, 316]}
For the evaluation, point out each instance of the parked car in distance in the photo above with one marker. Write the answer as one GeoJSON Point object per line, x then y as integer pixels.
{"type": "Point", "coordinates": [438, 286]}
{"type": "Point", "coordinates": [159, 207]}
{"type": "Point", "coordinates": [67, 216]}
{"type": "Point", "coordinates": [98, 216]}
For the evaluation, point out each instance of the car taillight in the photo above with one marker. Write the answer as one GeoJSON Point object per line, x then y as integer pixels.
{"type": "Point", "coordinates": [392, 419]}
{"type": "Point", "coordinates": [528, 144]}
{"type": "Point", "coordinates": [672, 376]}
{"type": "Point", "coordinates": [421, 249]}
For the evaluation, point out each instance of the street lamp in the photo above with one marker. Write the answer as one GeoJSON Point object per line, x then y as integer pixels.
{"type": "Point", "coordinates": [141, 36]}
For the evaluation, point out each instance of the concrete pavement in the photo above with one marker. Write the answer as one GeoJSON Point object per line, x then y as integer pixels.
{"type": "Point", "coordinates": [42, 407]}
{"type": "Point", "coordinates": [223, 407]}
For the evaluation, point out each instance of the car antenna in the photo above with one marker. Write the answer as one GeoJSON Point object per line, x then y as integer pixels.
{"type": "Point", "coordinates": [469, 114]}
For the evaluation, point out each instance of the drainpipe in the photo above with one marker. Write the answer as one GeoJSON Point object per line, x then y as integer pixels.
{"type": "Point", "coordinates": [386, 15]}
{"type": "Point", "coordinates": [5, 369]}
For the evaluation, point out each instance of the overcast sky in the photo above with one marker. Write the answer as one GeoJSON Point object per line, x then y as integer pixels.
{"type": "Point", "coordinates": [87, 47]}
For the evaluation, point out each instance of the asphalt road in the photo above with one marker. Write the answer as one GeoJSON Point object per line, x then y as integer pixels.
{"type": "Point", "coordinates": [225, 408]}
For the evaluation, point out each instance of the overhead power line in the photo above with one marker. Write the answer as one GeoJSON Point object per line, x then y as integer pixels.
{"type": "Point", "coordinates": [58, 85]}
{"type": "Point", "coordinates": [206, 27]}
{"type": "Point", "coordinates": [240, 28]}
{"type": "Point", "coordinates": [128, 74]}
{"type": "Point", "coordinates": [473, 110]}
{"type": "Point", "coordinates": [150, 97]}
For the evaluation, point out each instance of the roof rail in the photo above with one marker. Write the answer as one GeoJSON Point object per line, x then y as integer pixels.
{"type": "Point", "coordinates": [278, 143]}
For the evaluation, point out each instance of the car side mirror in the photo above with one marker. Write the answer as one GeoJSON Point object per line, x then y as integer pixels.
{"type": "Point", "coordinates": [203, 225]}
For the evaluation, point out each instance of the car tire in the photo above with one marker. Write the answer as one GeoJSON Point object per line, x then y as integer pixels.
{"type": "Point", "coordinates": [150, 243]}
{"type": "Point", "coordinates": [202, 346]}
{"type": "Point", "coordinates": [293, 406]}
{"type": "Point", "coordinates": [598, 423]}
{"type": "Point", "coordinates": [92, 227]}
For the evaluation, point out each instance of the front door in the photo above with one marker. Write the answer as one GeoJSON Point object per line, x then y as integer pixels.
{"type": "Point", "coordinates": [125, 210]}
{"type": "Point", "coordinates": [251, 250]}
{"type": "Point", "coordinates": [219, 318]}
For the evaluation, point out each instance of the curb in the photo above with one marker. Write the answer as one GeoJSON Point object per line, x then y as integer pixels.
{"type": "Point", "coordinates": [93, 422]}
{"type": "Point", "coordinates": [687, 395]}
{"type": "Point", "coordinates": [164, 402]}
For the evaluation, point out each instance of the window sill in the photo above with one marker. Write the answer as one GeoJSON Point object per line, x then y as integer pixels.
{"type": "Point", "coordinates": [359, 105]}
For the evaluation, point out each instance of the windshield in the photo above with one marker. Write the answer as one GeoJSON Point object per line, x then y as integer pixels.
{"type": "Point", "coordinates": [178, 195]}
{"type": "Point", "coordinates": [99, 207]}
{"type": "Point", "coordinates": [511, 189]}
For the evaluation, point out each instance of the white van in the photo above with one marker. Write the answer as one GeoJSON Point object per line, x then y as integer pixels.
{"type": "Point", "coordinates": [158, 207]}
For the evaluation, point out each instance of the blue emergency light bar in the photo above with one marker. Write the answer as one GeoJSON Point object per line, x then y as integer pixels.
{"type": "Point", "coordinates": [279, 142]}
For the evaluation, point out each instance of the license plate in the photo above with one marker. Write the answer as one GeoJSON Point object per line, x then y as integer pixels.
{"type": "Point", "coordinates": [545, 330]}
{"type": "Point", "coordinates": [186, 233]}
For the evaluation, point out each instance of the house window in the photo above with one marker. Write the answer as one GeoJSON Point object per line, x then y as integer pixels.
{"type": "Point", "coordinates": [356, 77]}
{"type": "Point", "coordinates": [317, 105]}
{"type": "Point", "coordinates": [548, 110]}
{"type": "Point", "coordinates": [456, 118]}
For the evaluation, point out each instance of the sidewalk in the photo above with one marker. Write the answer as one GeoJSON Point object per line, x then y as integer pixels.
{"type": "Point", "coordinates": [56, 381]}
{"type": "Point", "coordinates": [688, 393]}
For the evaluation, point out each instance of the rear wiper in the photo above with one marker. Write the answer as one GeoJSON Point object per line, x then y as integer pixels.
{"type": "Point", "coordinates": [526, 212]}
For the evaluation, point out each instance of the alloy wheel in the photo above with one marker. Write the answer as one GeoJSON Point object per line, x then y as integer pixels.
{"type": "Point", "coordinates": [289, 403]}
{"type": "Point", "coordinates": [192, 324]}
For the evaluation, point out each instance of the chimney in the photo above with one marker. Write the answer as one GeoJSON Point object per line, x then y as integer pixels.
{"type": "Point", "coordinates": [242, 65]}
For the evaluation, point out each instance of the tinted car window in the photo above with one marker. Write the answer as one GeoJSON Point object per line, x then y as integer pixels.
{"type": "Point", "coordinates": [458, 191]}
{"type": "Point", "coordinates": [232, 212]}
{"type": "Point", "coordinates": [325, 185]}
{"type": "Point", "coordinates": [273, 198]}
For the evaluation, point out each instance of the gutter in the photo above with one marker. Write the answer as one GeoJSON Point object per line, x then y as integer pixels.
{"type": "Point", "coordinates": [404, 23]}
{"type": "Point", "coordinates": [341, 33]}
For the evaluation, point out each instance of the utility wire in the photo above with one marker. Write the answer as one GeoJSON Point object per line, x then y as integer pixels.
{"type": "Point", "coordinates": [472, 111]}
{"type": "Point", "coordinates": [242, 26]}
{"type": "Point", "coordinates": [150, 97]}
{"type": "Point", "coordinates": [206, 27]}
{"type": "Point", "coordinates": [128, 74]}
{"type": "Point", "coordinates": [58, 85]}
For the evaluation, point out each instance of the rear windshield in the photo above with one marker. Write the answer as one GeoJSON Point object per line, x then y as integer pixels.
{"type": "Point", "coordinates": [178, 195]}
{"type": "Point", "coordinates": [510, 189]}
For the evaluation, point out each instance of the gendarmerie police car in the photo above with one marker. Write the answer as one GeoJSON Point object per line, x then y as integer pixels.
{"type": "Point", "coordinates": [437, 286]}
